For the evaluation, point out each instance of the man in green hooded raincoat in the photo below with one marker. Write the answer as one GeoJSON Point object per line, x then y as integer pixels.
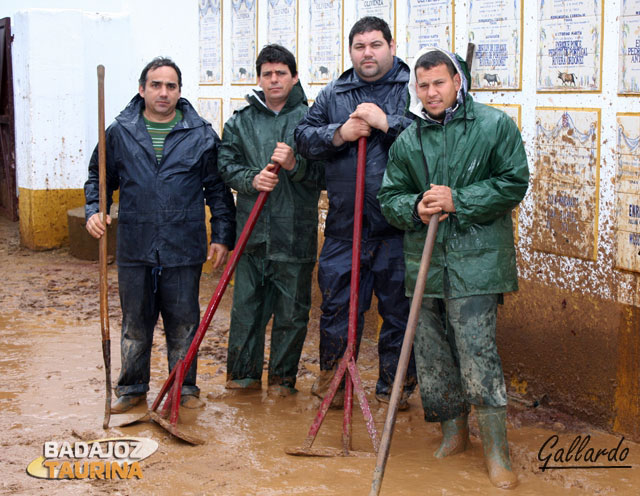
{"type": "Point", "coordinates": [273, 276]}
{"type": "Point", "coordinates": [464, 162]}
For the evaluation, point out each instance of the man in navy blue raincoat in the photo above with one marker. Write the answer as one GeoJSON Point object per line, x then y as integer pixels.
{"type": "Point", "coordinates": [367, 100]}
{"type": "Point", "coordinates": [162, 156]}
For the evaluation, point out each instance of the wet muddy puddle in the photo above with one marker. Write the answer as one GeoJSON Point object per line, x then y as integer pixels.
{"type": "Point", "coordinates": [53, 389]}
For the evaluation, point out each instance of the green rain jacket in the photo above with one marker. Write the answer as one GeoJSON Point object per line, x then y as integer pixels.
{"type": "Point", "coordinates": [478, 153]}
{"type": "Point", "coordinates": [288, 224]}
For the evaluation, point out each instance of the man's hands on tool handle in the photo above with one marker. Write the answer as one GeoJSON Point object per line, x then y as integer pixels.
{"type": "Point", "coordinates": [96, 227]}
{"type": "Point", "coordinates": [266, 180]}
{"type": "Point", "coordinates": [437, 200]}
{"type": "Point", "coordinates": [360, 122]}
{"type": "Point", "coordinates": [218, 252]}
{"type": "Point", "coordinates": [368, 115]}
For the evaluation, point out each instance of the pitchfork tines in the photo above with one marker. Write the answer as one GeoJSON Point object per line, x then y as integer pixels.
{"type": "Point", "coordinates": [347, 366]}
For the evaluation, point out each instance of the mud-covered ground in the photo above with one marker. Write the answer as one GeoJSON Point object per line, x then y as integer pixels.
{"type": "Point", "coordinates": [53, 390]}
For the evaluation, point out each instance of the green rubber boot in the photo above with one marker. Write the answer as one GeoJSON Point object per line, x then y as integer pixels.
{"type": "Point", "coordinates": [492, 422]}
{"type": "Point", "coordinates": [455, 437]}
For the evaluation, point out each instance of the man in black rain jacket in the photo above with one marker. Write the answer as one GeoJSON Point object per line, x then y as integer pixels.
{"type": "Point", "coordinates": [161, 155]}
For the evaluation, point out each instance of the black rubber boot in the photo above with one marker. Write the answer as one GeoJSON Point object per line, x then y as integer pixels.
{"type": "Point", "coordinates": [492, 422]}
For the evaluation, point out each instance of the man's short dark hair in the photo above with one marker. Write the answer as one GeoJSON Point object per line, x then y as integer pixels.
{"type": "Point", "coordinates": [370, 23]}
{"type": "Point", "coordinates": [155, 64]}
{"type": "Point", "coordinates": [273, 54]}
{"type": "Point", "coordinates": [434, 58]}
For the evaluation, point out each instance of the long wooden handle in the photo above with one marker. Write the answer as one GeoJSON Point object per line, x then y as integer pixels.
{"type": "Point", "coordinates": [405, 356]}
{"type": "Point", "coordinates": [409, 335]}
{"type": "Point", "coordinates": [104, 283]}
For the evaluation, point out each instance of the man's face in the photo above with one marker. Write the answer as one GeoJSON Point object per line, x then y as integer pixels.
{"type": "Point", "coordinates": [161, 93]}
{"type": "Point", "coordinates": [276, 81]}
{"type": "Point", "coordinates": [436, 89]}
{"type": "Point", "coordinates": [371, 55]}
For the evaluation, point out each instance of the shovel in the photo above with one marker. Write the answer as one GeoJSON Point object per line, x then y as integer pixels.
{"type": "Point", "coordinates": [104, 282]}
{"type": "Point", "coordinates": [347, 362]}
{"type": "Point", "coordinates": [167, 417]}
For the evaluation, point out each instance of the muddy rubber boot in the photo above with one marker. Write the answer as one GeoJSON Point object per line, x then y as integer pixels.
{"type": "Point", "coordinates": [320, 388]}
{"type": "Point", "coordinates": [403, 404]}
{"type": "Point", "coordinates": [191, 401]}
{"type": "Point", "coordinates": [492, 422]}
{"type": "Point", "coordinates": [455, 436]}
{"type": "Point", "coordinates": [243, 384]}
{"type": "Point", "coordinates": [281, 390]}
{"type": "Point", "coordinates": [126, 402]}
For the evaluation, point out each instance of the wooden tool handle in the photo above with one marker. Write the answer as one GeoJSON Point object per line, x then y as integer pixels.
{"type": "Point", "coordinates": [104, 283]}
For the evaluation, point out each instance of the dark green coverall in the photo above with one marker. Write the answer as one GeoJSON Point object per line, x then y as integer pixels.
{"type": "Point", "coordinates": [274, 274]}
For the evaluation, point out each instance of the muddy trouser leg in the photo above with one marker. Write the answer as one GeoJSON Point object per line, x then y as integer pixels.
{"type": "Point", "coordinates": [437, 365]}
{"type": "Point", "coordinates": [178, 289]}
{"type": "Point", "coordinates": [334, 280]}
{"type": "Point", "coordinates": [457, 358]}
{"type": "Point", "coordinates": [473, 320]}
{"type": "Point", "coordinates": [249, 316]}
{"type": "Point", "coordinates": [291, 288]}
{"type": "Point", "coordinates": [139, 317]}
{"type": "Point", "coordinates": [393, 307]}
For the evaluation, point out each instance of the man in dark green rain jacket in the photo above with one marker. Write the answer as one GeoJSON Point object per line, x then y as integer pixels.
{"type": "Point", "coordinates": [464, 162]}
{"type": "Point", "coordinates": [273, 276]}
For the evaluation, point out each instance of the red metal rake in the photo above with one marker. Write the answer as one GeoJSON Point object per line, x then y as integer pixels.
{"type": "Point", "coordinates": [348, 361]}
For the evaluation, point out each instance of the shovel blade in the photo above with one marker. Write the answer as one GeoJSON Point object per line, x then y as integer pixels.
{"type": "Point", "coordinates": [173, 429]}
{"type": "Point", "coordinates": [326, 452]}
{"type": "Point", "coordinates": [125, 419]}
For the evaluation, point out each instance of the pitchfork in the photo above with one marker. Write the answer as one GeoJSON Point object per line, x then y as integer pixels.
{"type": "Point", "coordinates": [348, 361]}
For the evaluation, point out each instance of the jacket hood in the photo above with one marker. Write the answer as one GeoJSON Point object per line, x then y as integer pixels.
{"type": "Point", "coordinates": [296, 96]}
{"type": "Point", "coordinates": [415, 105]}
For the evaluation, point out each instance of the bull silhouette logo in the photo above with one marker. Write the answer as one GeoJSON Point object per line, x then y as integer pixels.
{"type": "Point", "coordinates": [567, 78]}
{"type": "Point", "coordinates": [492, 79]}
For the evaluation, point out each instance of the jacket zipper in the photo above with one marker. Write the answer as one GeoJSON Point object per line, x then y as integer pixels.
{"type": "Point", "coordinates": [445, 178]}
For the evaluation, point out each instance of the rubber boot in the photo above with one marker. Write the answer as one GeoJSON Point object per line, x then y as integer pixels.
{"type": "Point", "coordinates": [492, 422]}
{"type": "Point", "coordinates": [321, 387]}
{"type": "Point", "coordinates": [246, 384]}
{"type": "Point", "coordinates": [455, 436]}
{"type": "Point", "coordinates": [126, 402]}
{"type": "Point", "coordinates": [191, 401]}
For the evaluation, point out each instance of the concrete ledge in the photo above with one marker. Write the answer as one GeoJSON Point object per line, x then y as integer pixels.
{"type": "Point", "coordinates": [84, 246]}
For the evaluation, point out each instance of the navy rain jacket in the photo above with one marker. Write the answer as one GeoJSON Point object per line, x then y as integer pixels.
{"type": "Point", "coordinates": [161, 215]}
{"type": "Point", "coordinates": [314, 137]}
